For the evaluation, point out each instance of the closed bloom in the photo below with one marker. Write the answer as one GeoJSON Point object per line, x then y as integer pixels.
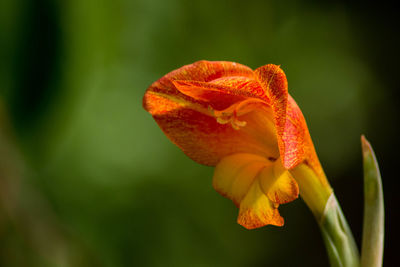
{"type": "Point", "coordinates": [244, 123]}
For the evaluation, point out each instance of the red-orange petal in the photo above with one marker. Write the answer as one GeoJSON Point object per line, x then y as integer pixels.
{"type": "Point", "coordinates": [294, 139]}
{"type": "Point", "coordinates": [202, 71]}
{"type": "Point", "coordinates": [186, 119]}
{"type": "Point", "coordinates": [239, 86]}
{"type": "Point", "coordinates": [217, 96]}
{"type": "Point", "coordinates": [193, 129]}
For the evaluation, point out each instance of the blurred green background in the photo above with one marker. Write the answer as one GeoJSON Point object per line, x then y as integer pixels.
{"type": "Point", "coordinates": [88, 179]}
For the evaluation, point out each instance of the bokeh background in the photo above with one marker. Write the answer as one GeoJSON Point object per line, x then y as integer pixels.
{"type": "Point", "coordinates": [88, 179]}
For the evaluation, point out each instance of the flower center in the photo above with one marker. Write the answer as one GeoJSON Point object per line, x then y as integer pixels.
{"type": "Point", "coordinates": [231, 114]}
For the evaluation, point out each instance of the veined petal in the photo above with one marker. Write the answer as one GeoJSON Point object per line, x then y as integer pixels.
{"type": "Point", "coordinates": [208, 135]}
{"type": "Point", "coordinates": [222, 92]}
{"type": "Point", "coordinates": [296, 125]}
{"type": "Point", "coordinates": [198, 133]}
{"type": "Point", "coordinates": [294, 140]}
{"type": "Point", "coordinates": [216, 96]}
{"type": "Point", "coordinates": [190, 121]}
{"type": "Point", "coordinates": [202, 71]}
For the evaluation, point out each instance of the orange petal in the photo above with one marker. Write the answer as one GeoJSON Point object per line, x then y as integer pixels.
{"type": "Point", "coordinates": [202, 71]}
{"type": "Point", "coordinates": [186, 120]}
{"type": "Point", "coordinates": [257, 210]}
{"type": "Point", "coordinates": [197, 132]}
{"type": "Point", "coordinates": [222, 92]}
{"type": "Point", "coordinates": [216, 96]}
{"type": "Point", "coordinates": [278, 184]}
{"type": "Point", "coordinates": [297, 125]}
{"type": "Point", "coordinates": [294, 140]}
{"type": "Point", "coordinates": [201, 133]}
{"type": "Point", "coordinates": [234, 175]}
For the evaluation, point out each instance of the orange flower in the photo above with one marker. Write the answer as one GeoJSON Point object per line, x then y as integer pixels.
{"type": "Point", "coordinates": [246, 124]}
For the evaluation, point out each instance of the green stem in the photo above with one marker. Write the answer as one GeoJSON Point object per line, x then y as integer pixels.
{"type": "Point", "coordinates": [339, 241]}
{"type": "Point", "coordinates": [319, 197]}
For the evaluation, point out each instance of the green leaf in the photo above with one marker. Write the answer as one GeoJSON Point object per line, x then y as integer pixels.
{"type": "Point", "coordinates": [373, 231]}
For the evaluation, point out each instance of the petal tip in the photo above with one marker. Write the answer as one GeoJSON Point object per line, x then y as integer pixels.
{"type": "Point", "coordinates": [250, 220]}
{"type": "Point", "coordinates": [272, 77]}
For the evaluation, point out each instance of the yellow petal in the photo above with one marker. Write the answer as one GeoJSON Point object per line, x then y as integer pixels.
{"type": "Point", "coordinates": [257, 186]}
{"type": "Point", "coordinates": [257, 210]}
{"type": "Point", "coordinates": [237, 177]}
{"type": "Point", "coordinates": [234, 175]}
{"type": "Point", "coordinates": [278, 184]}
